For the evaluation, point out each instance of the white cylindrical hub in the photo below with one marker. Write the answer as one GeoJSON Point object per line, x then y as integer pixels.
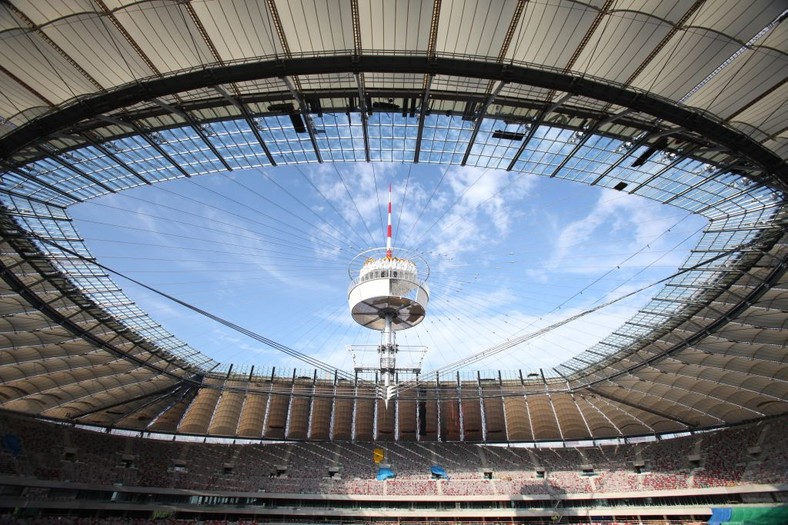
{"type": "Point", "coordinates": [388, 288]}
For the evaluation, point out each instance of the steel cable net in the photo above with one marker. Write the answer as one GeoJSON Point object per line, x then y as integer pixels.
{"type": "Point", "coordinates": [652, 140]}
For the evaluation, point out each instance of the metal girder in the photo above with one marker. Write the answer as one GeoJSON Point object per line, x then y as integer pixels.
{"type": "Point", "coordinates": [776, 168]}
{"type": "Point", "coordinates": [18, 195]}
{"type": "Point", "coordinates": [32, 178]}
{"type": "Point", "coordinates": [715, 325]}
{"type": "Point", "coordinates": [423, 109]}
{"type": "Point", "coordinates": [167, 391]}
{"type": "Point", "coordinates": [669, 166]}
{"type": "Point", "coordinates": [196, 127]}
{"type": "Point", "coordinates": [534, 125]}
{"type": "Point", "coordinates": [717, 172]}
{"type": "Point", "coordinates": [642, 140]}
{"type": "Point", "coordinates": [479, 119]}
{"type": "Point", "coordinates": [27, 86]}
{"type": "Point", "coordinates": [305, 113]}
{"type": "Point", "coordinates": [152, 143]}
{"type": "Point", "coordinates": [110, 14]}
{"type": "Point", "coordinates": [249, 121]}
{"type": "Point", "coordinates": [78, 171]}
{"type": "Point", "coordinates": [106, 151]}
{"type": "Point", "coordinates": [637, 406]}
{"type": "Point", "coordinates": [53, 314]}
{"type": "Point", "coordinates": [362, 106]}
{"type": "Point", "coordinates": [587, 134]}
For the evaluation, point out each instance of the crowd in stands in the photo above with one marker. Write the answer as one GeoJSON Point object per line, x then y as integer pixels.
{"type": "Point", "coordinates": [70, 520]}
{"type": "Point", "coordinates": [749, 454]}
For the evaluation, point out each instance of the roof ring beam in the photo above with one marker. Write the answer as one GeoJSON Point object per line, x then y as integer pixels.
{"type": "Point", "coordinates": [774, 167]}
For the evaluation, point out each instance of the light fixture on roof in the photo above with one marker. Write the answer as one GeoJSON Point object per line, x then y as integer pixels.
{"type": "Point", "coordinates": [624, 147]}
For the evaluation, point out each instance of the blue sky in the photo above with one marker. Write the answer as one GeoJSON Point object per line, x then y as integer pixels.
{"type": "Point", "coordinates": [269, 249]}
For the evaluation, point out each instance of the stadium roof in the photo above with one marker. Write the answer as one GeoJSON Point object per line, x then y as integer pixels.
{"type": "Point", "coordinates": [680, 102]}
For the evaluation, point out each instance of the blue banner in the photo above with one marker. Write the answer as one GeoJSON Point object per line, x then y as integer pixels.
{"type": "Point", "coordinates": [439, 472]}
{"type": "Point", "coordinates": [385, 473]}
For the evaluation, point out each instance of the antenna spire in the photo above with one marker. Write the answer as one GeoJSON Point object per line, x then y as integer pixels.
{"type": "Point", "coordinates": [388, 231]}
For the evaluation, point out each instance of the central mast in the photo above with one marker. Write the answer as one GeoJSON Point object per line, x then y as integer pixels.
{"type": "Point", "coordinates": [388, 295]}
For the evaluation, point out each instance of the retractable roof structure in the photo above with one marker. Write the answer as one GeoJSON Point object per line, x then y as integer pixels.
{"type": "Point", "coordinates": [680, 102]}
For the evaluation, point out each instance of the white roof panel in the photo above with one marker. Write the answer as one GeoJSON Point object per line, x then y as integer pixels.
{"type": "Point", "coordinates": [313, 27]}
{"type": "Point", "coordinates": [395, 25]}
{"type": "Point", "coordinates": [241, 33]}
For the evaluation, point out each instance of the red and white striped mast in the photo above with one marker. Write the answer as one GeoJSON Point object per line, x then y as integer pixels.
{"type": "Point", "coordinates": [388, 295]}
{"type": "Point", "coordinates": [388, 231]}
{"type": "Point", "coordinates": [388, 346]}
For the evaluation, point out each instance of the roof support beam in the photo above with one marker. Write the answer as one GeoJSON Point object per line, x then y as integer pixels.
{"type": "Point", "coordinates": [69, 166]}
{"type": "Point", "coordinates": [72, 327]}
{"type": "Point", "coordinates": [240, 106]}
{"type": "Point", "coordinates": [196, 127]}
{"type": "Point", "coordinates": [642, 140]}
{"type": "Point", "coordinates": [32, 178]}
{"type": "Point", "coordinates": [423, 109]}
{"type": "Point", "coordinates": [27, 87]}
{"type": "Point", "coordinates": [670, 165]}
{"type": "Point", "coordinates": [717, 172]}
{"type": "Point", "coordinates": [480, 118]}
{"type": "Point", "coordinates": [59, 50]}
{"type": "Point", "coordinates": [587, 134]}
{"type": "Point", "coordinates": [120, 162]}
{"type": "Point", "coordinates": [17, 195]}
{"type": "Point", "coordinates": [534, 126]}
{"type": "Point", "coordinates": [162, 393]}
{"type": "Point", "coordinates": [723, 200]}
{"type": "Point", "coordinates": [775, 168]}
{"type": "Point", "coordinates": [637, 406]}
{"type": "Point", "coordinates": [122, 30]}
{"type": "Point", "coordinates": [362, 105]}
{"type": "Point", "coordinates": [711, 328]}
{"type": "Point", "coordinates": [146, 137]}
{"type": "Point", "coordinates": [305, 113]}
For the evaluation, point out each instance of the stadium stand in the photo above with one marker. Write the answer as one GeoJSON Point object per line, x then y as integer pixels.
{"type": "Point", "coordinates": [53, 457]}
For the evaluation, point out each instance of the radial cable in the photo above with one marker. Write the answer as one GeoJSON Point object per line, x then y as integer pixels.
{"type": "Point", "coordinates": [245, 331]}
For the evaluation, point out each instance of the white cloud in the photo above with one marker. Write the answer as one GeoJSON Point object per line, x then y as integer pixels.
{"type": "Point", "coordinates": [610, 235]}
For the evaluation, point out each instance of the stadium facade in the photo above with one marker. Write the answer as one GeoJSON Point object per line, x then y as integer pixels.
{"type": "Point", "coordinates": [681, 102]}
